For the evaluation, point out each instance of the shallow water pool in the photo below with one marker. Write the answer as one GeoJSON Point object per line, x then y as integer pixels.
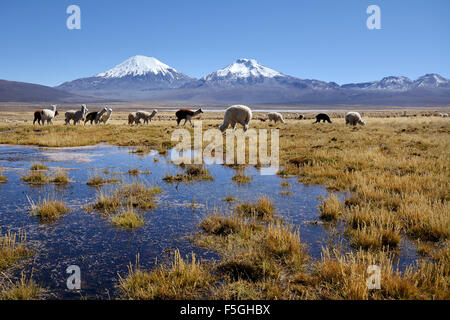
{"type": "Point", "coordinates": [102, 251]}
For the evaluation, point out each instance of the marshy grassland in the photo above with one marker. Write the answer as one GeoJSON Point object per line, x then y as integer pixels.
{"type": "Point", "coordinates": [394, 174]}
{"type": "Point", "coordinates": [13, 248]}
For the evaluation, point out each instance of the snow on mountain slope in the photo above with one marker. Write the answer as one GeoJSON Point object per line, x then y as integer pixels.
{"type": "Point", "coordinates": [136, 73]}
{"type": "Point", "coordinates": [431, 80]}
{"type": "Point", "coordinates": [428, 81]}
{"type": "Point", "coordinates": [245, 80]}
{"type": "Point", "coordinates": [138, 66]}
{"type": "Point", "coordinates": [241, 69]}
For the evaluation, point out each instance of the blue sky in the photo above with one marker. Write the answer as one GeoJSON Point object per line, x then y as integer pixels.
{"type": "Point", "coordinates": [318, 39]}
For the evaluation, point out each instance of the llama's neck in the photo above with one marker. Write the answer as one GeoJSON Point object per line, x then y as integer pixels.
{"type": "Point", "coordinates": [197, 112]}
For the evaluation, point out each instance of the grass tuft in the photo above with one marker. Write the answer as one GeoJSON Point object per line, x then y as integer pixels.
{"type": "Point", "coordinates": [23, 289]}
{"type": "Point", "coordinates": [128, 219]}
{"type": "Point", "coordinates": [38, 166]}
{"type": "Point", "coordinates": [98, 181]}
{"type": "Point", "coordinates": [263, 209]}
{"type": "Point", "coordinates": [179, 280]}
{"type": "Point", "coordinates": [48, 210]}
{"type": "Point", "coordinates": [12, 248]}
{"type": "Point", "coordinates": [60, 177]}
{"type": "Point", "coordinates": [135, 195]}
{"type": "Point", "coordinates": [192, 173]}
{"type": "Point", "coordinates": [331, 208]}
{"type": "Point", "coordinates": [240, 178]}
{"type": "Point", "coordinates": [36, 178]}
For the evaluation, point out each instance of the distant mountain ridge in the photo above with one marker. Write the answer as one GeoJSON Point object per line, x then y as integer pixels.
{"type": "Point", "coordinates": [14, 91]}
{"type": "Point", "coordinates": [142, 78]}
{"type": "Point", "coordinates": [431, 80]}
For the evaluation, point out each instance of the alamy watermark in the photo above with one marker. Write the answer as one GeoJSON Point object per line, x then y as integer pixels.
{"type": "Point", "coordinates": [73, 22]}
{"type": "Point", "coordinates": [374, 20]}
{"type": "Point", "coordinates": [374, 280]}
{"type": "Point", "coordinates": [74, 280]}
{"type": "Point", "coordinates": [193, 151]}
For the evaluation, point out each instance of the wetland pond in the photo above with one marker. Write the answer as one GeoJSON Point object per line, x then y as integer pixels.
{"type": "Point", "coordinates": [102, 251]}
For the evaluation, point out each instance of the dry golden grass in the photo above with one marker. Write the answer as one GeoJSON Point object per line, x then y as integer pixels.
{"type": "Point", "coordinates": [38, 166]}
{"type": "Point", "coordinates": [397, 170]}
{"type": "Point", "coordinates": [344, 277]}
{"type": "Point", "coordinates": [48, 210]}
{"type": "Point", "coordinates": [12, 248]}
{"type": "Point", "coordinates": [97, 180]}
{"type": "Point", "coordinates": [229, 198]}
{"type": "Point", "coordinates": [180, 280]}
{"type": "Point", "coordinates": [128, 219]}
{"type": "Point", "coordinates": [135, 195]}
{"type": "Point", "coordinates": [23, 289]}
{"type": "Point", "coordinates": [193, 173]}
{"type": "Point", "coordinates": [3, 179]}
{"type": "Point", "coordinates": [331, 208]}
{"type": "Point", "coordinates": [220, 225]}
{"type": "Point", "coordinates": [240, 178]}
{"type": "Point", "coordinates": [35, 177]}
{"type": "Point", "coordinates": [60, 177]}
{"type": "Point", "coordinates": [257, 260]}
{"type": "Point", "coordinates": [262, 209]}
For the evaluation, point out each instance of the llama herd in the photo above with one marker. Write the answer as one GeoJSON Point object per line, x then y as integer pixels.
{"type": "Point", "coordinates": [236, 114]}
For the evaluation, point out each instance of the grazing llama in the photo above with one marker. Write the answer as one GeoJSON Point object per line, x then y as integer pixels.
{"type": "Point", "coordinates": [94, 116]}
{"type": "Point", "coordinates": [354, 118]}
{"type": "Point", "coordinates": [105, 116]}
{"type": "Point", "coordinates": [45, 115]}
{"type": "Point", "coordinates": [322, 117]}
{"type": "Point", "coordinates": [132, 118]}
{"type": "Point", "coordinates": [236, 114]}
{"type": "Point", "coordinates": [76, 116]}
{"type": "Point", "coordinates": [187, 115]}
{"type": "Point", "coordinates": [147, 116]}
{"type": "Point", "coordinates": [275, 116]}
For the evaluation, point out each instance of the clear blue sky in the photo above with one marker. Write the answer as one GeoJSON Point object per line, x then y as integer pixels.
{"type": "Point", "coordinates": [319, 39]}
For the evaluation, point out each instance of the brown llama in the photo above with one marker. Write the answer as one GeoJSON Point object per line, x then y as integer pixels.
{"type": "Point", "coordinates": [37, 117]}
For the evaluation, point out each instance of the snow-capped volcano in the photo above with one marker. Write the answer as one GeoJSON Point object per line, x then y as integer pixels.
{"type": "Point", "coordinates": [138, 73]}
{"type": "Point", "coordinates": [241, 69]}
{"type": "Point", "coordinates": [249, 73]}
{"type": "Point", "coordinates": [431, 80]}
{"type": "Point", "coordinates": [138, 66]}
